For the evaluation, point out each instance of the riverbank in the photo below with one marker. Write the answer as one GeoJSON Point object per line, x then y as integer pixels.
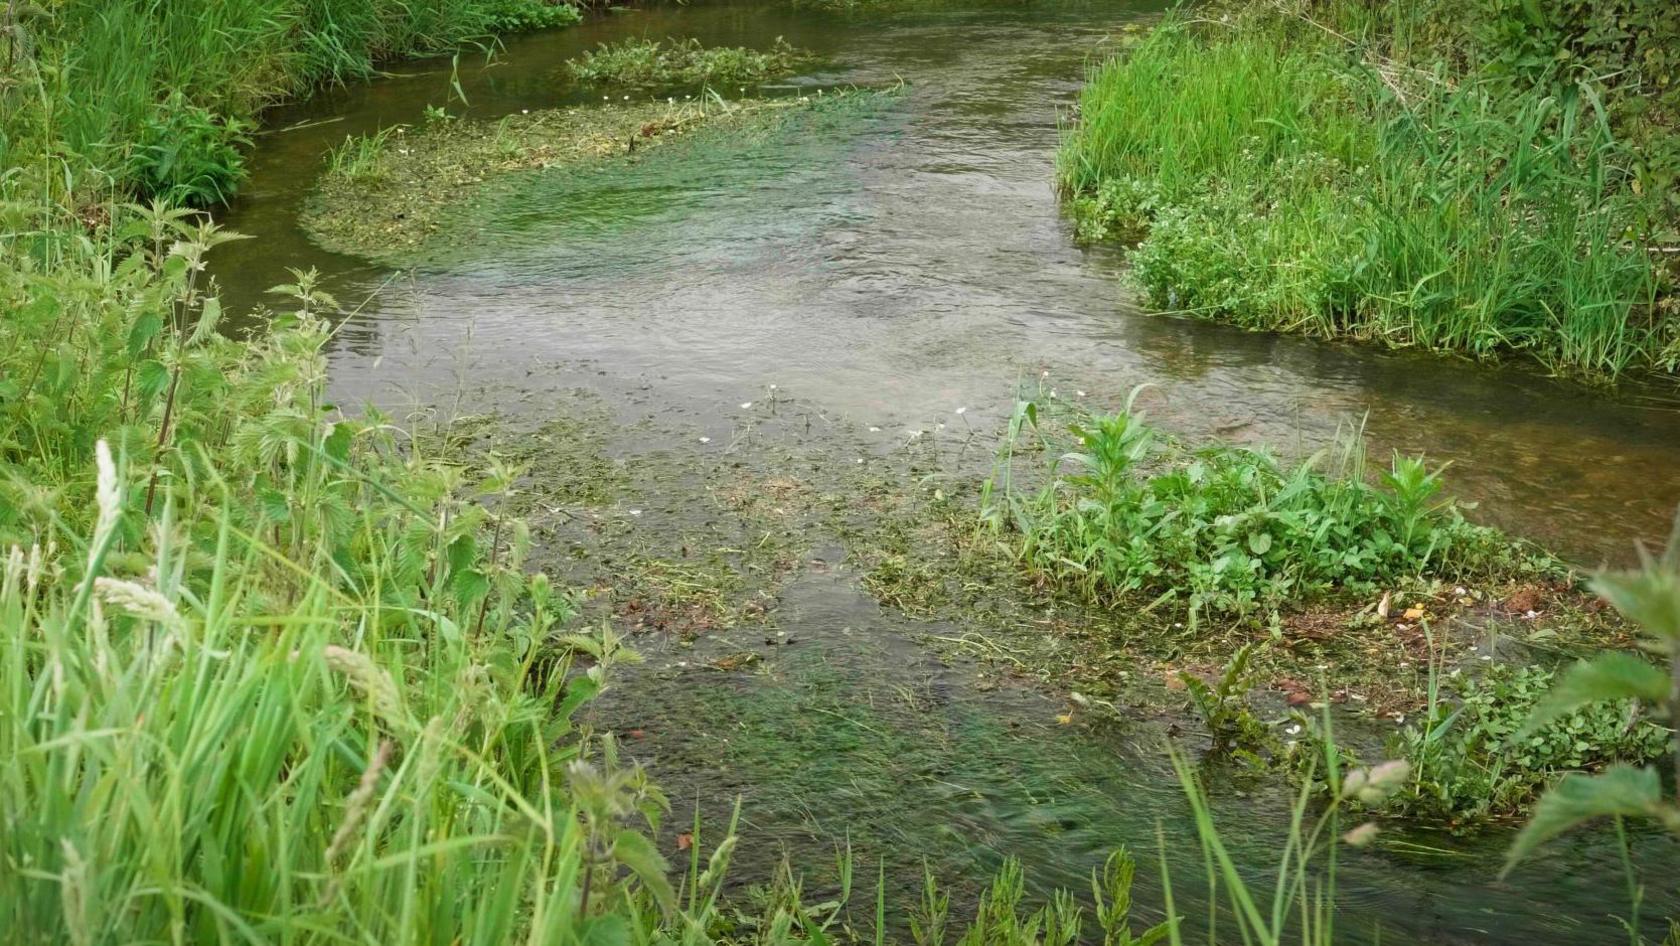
{"type": "Point", "coordinates": [1428, 180]}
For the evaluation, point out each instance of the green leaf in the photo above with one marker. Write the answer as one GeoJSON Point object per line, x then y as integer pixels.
{"type": "Point", "coordinates": [337, 444]}
{"type": "Point", "coordinates": [606, 930]}
{"type": "Point", "coordinates": [1650, 595]}
{"type": "Point", "coordinates": [1620, 790]}
{"type": "Point", "coordinates": [210, 316]}
{"type": "Point", "coordinates": [1612, 676]}
{"type": "Point", "coordinates": [140, 335]}
{"type": "Point", "coordinates": [637, 853]}
{"type": "Point", "coordinates": [151, 378]}
{"type": "Point", "coordinates": [1259, 542]}
{"type": "Point", "coordinates": [579, 690]}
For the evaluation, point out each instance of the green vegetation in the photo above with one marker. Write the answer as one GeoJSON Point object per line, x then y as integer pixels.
{"type": "Point", "coordinates": [1123, 515]}
{"type": "Point", "coordinates": [674, 63]}
{"type": "Point", "coordinates": [391, 191]}
{"type": "Point", "coordinates": [432, 192]}
{"type": "Point", "coordinates": [271, 671]}
{"type": "Point", "coordinates": [1492, 183]}
{"type": "Point", "coordinates": [1477, 756]}
{"type": "Point", "coordinates": [1649, 597]}
{"type": "Point", "coordinates": [156, 99]}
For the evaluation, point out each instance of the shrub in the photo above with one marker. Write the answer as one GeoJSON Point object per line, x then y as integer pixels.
{"type": "Point", "coordinates": [188, 155]}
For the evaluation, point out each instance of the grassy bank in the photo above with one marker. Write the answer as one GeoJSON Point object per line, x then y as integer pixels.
{"type": "Point", "coordinates": [1413, 177]}
{"type": "Point", "coordinates": [158, 99]}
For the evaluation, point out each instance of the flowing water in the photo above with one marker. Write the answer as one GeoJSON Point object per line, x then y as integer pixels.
{"type": "Point", "coordinates": [886, 274]}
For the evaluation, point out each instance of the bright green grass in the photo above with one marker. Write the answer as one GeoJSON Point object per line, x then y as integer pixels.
{"type": "Point", "coordinates": [156, 97]}
{"type": "Point", "coordinates": [1272, 181]}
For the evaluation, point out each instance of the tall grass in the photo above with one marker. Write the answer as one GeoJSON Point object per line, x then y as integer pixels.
{"type": "Point", "coordinates": [1275, 179]}
{"type": "Point", "coordinates": [156, 97]}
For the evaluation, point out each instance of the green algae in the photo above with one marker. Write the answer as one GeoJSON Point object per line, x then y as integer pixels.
{"type": "Point", "coordinates": [455, 189]}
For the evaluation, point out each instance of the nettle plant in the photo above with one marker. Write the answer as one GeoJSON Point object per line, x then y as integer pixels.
{"type": "Point", "coordinates": [1649, 596]}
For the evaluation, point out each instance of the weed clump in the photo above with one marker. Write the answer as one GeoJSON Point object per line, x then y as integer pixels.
{"type": "Point", "coordinates": [1224, 530]}
{"type": "Point", "coordinates": [684, 63]}
{"type": "Point", "coordinates": [1476, 758]}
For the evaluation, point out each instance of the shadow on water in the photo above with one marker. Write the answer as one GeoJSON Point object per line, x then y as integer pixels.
{"type": "Point", "coordinates": [890, 272]}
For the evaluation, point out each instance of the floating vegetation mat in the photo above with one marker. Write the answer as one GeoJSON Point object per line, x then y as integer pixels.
{"type": "Point", "coordinates": [678, 63]}
{"type": "Point", "coordinates": [427, 194]}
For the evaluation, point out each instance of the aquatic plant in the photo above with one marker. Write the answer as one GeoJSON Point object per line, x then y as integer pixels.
{"type": "Point", "coordinates": [1222, 529]}
{"type": "Point", "coordinates": [1223, 706]}
{"type": "Point", "coordinates": [678, 63]}
{"type": "Point", "coordinates": [1650, 597]}
{"type": "Point", "coordinates": [1273, 178]}
{"type": "Point", "coordinates": [1474, 756]}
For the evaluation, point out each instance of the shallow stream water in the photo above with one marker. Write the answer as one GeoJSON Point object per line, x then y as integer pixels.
{"type": "Point", "coordinates": [888, 275]}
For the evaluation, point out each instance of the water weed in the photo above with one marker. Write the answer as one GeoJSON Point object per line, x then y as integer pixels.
{"type": "Point", "coordinates": [673, 63]}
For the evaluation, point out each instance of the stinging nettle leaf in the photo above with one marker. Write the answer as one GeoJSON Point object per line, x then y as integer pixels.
{"type": "Point", "coordinates": [1611, 676]}
{"type": "Point", "coordinates": [1620, 790]}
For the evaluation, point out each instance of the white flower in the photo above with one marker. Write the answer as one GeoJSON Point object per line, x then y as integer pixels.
{"type": "Point", "coordinates": [705, 440]}
{"type": "Point", "coordinates": [962, 410]}
{"type": "Point", "coordinates": [746, 405]}
{"type": "Point", "coordinates": [874, 430]}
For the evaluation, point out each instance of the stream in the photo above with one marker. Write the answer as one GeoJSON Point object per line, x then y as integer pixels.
{"type": "Point", "coordinates": [880, 280]}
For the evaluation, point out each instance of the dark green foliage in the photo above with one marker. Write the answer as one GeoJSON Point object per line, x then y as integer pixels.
{"type": "Point", "coordinates": [1478, 757]}
{"type": "Point", "coordinates": [512, 16]}
{"type": "Point", "coordinates": [157, 98]}
{"type": "Point", "coordinates": [186, 154]}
